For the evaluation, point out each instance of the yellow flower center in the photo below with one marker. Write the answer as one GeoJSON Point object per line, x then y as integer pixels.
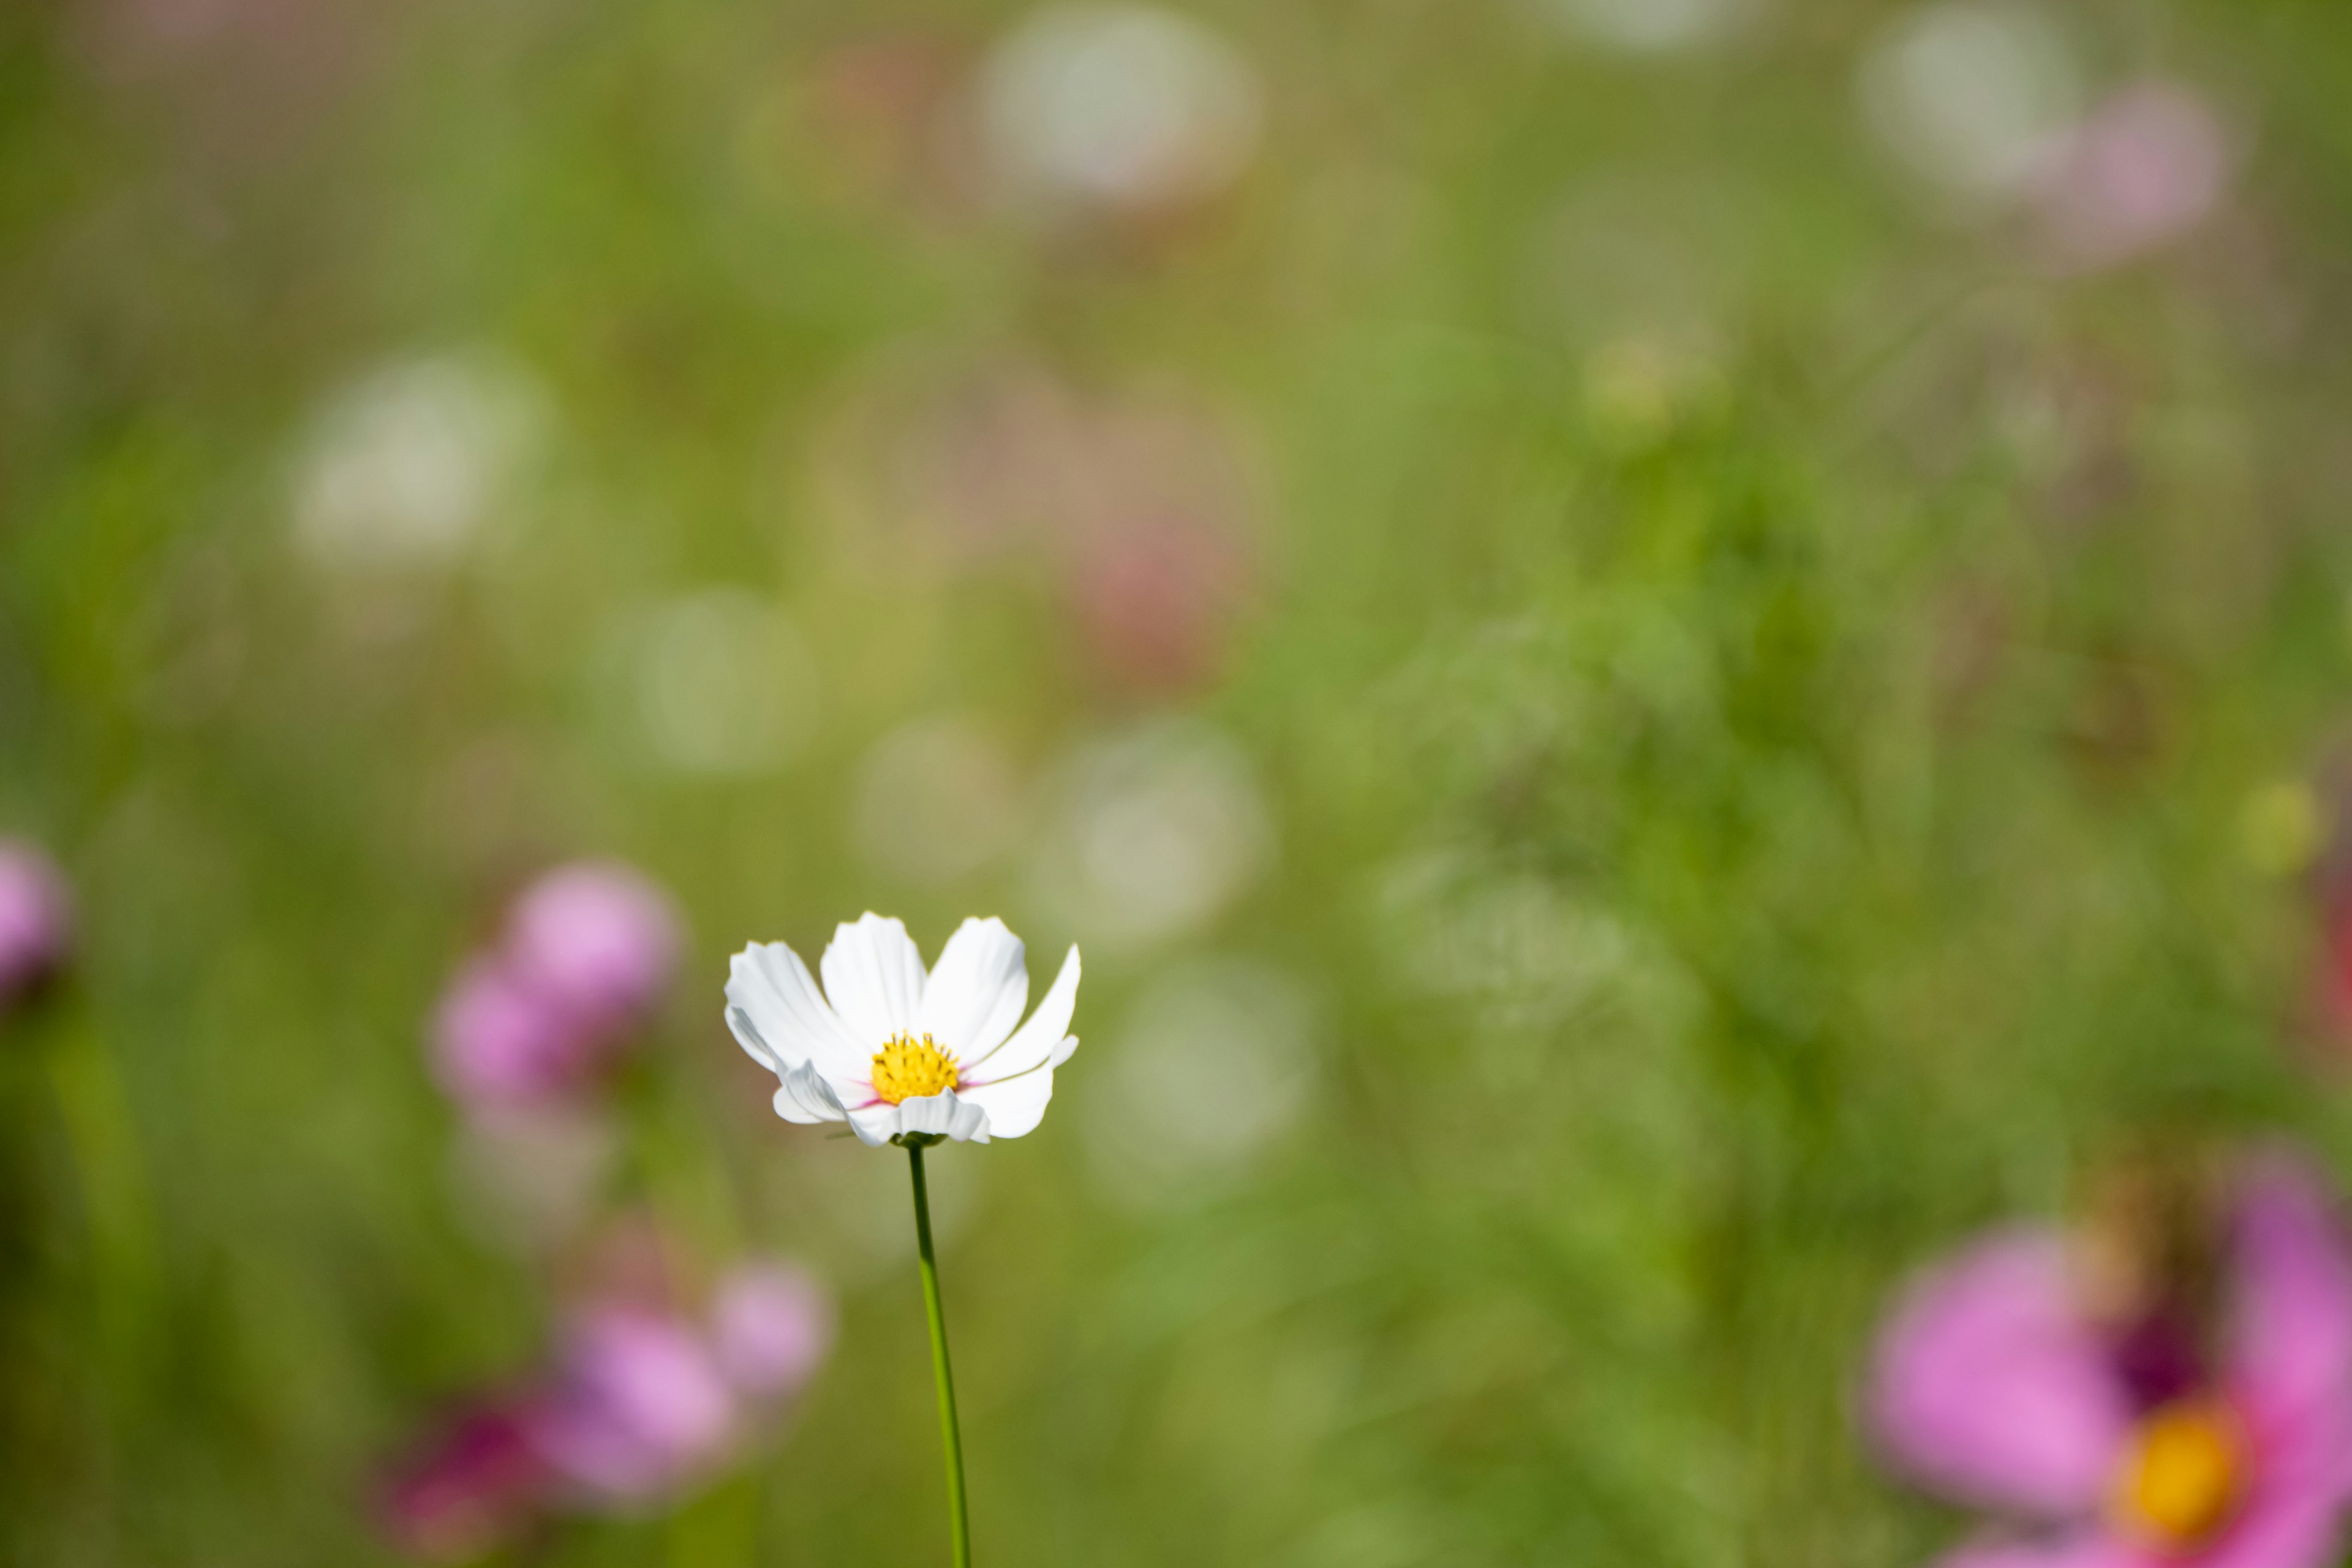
{"type": "Point", "coordinates": [2183, 1476]}
{"type": "Point", "coordinates": [911, 1067]}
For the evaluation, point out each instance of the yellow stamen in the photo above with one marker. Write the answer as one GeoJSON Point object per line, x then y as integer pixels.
{"type": "Point", "coordinates": [2183, 1476]}
{"type": "Point", "coordinates": [911, 1067]}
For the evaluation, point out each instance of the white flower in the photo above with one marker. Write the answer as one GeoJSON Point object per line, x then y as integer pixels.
{"type": "Point", "coordinates": [898, 1054]}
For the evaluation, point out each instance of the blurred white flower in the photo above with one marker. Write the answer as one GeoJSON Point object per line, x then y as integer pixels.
{"type": "Point", "coordinates": [936, 799]}
{"type": "Point", "coordinates": [1649, 26]}
{"type": "Point", "coordinates": [723, 683]}
{"type": "Point", "coordinates": [1154, 833]}
{"type": "Point", "coordinates": [1214, 1061]}
{"type": "Point", "coordinates": [899, 1054]}
{"type": "Point", "coordinates": [1511, 943]}
{"type": "Point", "coordinates": [1127, 106]}
{"type": "Point", "coordinates": [2148, 164]}
{"type": "Point", "coordinates": [1972, 96]}
{"type": "Point", "coordinates": [406, 466]}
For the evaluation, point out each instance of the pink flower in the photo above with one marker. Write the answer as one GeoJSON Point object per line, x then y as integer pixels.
{"type": "Point", "coordinates": [771, 1325]}
{"type": "Point", "coordinates": [638, 1409]}
{"type": "Point", "coordinates": [499, 1043]}
{"type": "Point", "coordinates": [2145, 168]}
{"type": "Point", "coordinates": [1994, 1385]}
{"type": "Point", "coordinates": [36, 920]}
{"type": "Point", "coordinates": [596, 940]}
{"type": "Point", "coordinates": [471, 1486]}
{"type": "Point", "coordinates": [1157, 599]}
{"type": "Point", "coordinates": [587, 952]}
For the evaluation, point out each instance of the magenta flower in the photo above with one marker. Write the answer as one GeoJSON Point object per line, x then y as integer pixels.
{"type": "Point", "coordinates": [587, 952]}
{"type": "Point", "coordinates": [2141, 1449]}
{"type": "Point", "coordinates": [35, 921]}
{"type": "Point", "coordinates": [596, 940]}
{"type": "Point", "coordinates": [638, 1407]}
{"type": "Point", "coordinates": [771, 1325]}
{"type": "Point", "coordinates": [499, 1043]}
{"type": "Point", "coordinates": [470, 1487]}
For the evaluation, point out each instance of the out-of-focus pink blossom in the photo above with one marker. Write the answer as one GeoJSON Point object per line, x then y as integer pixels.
{"type": "Point", "coordinates": [596, 940]}
{"type": "Point", "coordinates": [587, 952]}
{"type": "Point", "coordinates": [2144, 168]}
{"type": "Point", "coordinates": [2333, 983]}
{"type": "Point", "coordinates": [36, 920]}
{"type": "Point", "coordinates": [1993, 1384]}
{"type": "Point", "coordinates": [1155, 601]}
{"type": "Point", "coordinates": [498, 1042]}
{"type": "Point", "coordinates": [638, 1407]}
{"type": "Point", "coordinates": [473, 1484]}
{"type": "Point", "coordinates": [771, 1325]}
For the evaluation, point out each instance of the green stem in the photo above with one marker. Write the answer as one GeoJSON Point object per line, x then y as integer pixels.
{"type": "Point", "coordinates": [957, 1523]}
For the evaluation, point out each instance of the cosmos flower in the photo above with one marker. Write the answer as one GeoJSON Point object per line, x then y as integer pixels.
{"type": "Point", "coordinates": [1125, 107]}
{"type": "Point", "coordinates": [639, 1406]}
{"type": "Point", "coordinates": [476, 1481]}
{"type": "Point", "coordinates": [645, 1397]}
{"type": "Point", "coordinates": [587, 952]}
{"type": "Point", "coordinates": [598, 939]}
{"type": "Point", "coordinates": [2156, 1445]}
{"type": "Point", "coordinates": [770, 1326]}
{"type": "Point", "coordinates": [898, 1054]}
{"type": "Point", "coordinates": [35, 921]}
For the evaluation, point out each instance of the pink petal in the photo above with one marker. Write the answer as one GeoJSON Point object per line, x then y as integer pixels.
{"type": "Point", "coordinates": [35, 918]}
{"type": "Point", "coordinates": [473, 1483]}
{"type": "Point", "coordinates": [638, 1407]}
{"type": "Point", "coordinates": [2076, 1548]}
{"type": "Point", "coordinates": [597, 939]}
{"type": "Point", "coordinates": [2291, 1522]}
{"type": "Point", "coordinates": [771, 1325]}
{"type": "Point", "coordinates": [1989, 1386]}
{"type": "Point", "coordinates": [2289, 1357]}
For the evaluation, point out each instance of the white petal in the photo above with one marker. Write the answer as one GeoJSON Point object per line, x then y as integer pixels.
{"type": "Point", "coordinates": [1035, 1041]}
{"type": "Point", "coordinates": [747, 1035]}
{"type": "Point", "coordinates": [1016, 1104]}
{"type": "Point", "coordinates": [874, 977]}
{"type": "Point", "coordinates": [875, 1125]}
{"type": "Point", "coordinates": [806, 1097]}
{"type": "Point", "coordinates": [977, 989]}
{"type": "Point", "coordinates": [775, 1010]}
{"type": "Point", "coordinates": [946, 1113]}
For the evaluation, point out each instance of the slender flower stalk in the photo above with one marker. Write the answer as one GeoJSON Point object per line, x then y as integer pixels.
{"type": "Point", "coordinates": [959, 1525]}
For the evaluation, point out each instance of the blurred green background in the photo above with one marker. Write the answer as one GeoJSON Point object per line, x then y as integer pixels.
{"type": "Point", "coordinates": [1664, 653]}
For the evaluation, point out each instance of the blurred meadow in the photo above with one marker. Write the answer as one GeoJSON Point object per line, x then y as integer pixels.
{"type": "Point", "coordinates": [1666, 653]}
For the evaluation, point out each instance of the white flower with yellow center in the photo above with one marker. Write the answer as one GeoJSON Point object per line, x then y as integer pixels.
{"type": "Point", "coordinates": [900, 1055]}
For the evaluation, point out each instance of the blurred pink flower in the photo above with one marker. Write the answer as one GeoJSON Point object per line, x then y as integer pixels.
{"type": "Point", "coordinates": [587, 952]}
{"type": "Point", "coordinates": [597, 940]}
{"type": "Point", "coordinates": [637, 1408]}
{"type": "Point", "coordinates": [771, 1325]}
{"type": "Point", "coordinates": [36, 920]}
{"type": "Point", "coordinates": [1994, 1385]}
{"type": "Point", "coordinates": [472, 1485]}
{"type": "Point", "coordinates": [499, 1043]}
{"type": "Point", "coordinates": [2143, 169]}
{"type": "Point", "coordinates": [1155, 601]}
